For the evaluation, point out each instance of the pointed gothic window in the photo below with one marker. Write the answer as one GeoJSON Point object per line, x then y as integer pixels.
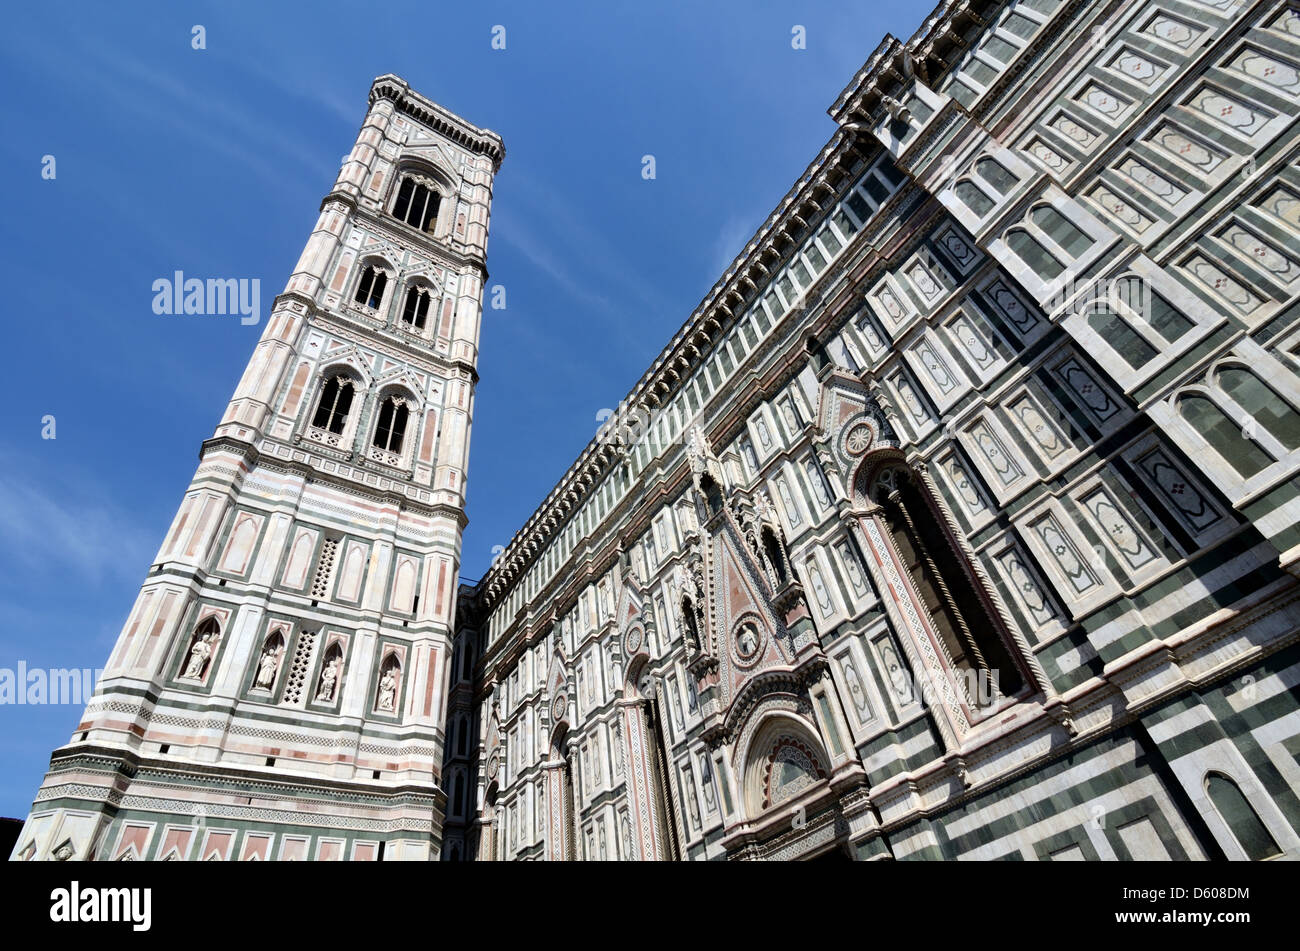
{"type": "Point", "coordinates": [417, 205]}
{"type": "Point", "coordinates": [335, 401]}
{"type": "Point", "coordinates": [391, 428]}
{"type": "Point", "coordinates": [943, 581]}
{"type": "Point", "coordinates": [370, 289]}
{"type": "Point", "coordinates": [416, 307]}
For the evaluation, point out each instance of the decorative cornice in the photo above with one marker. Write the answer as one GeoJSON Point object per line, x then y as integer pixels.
{"type": "Point", "coordinates": [447, 123]}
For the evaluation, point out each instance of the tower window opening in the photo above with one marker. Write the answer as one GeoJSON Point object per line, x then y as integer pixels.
{"type": "Point", "coordinates": [370, 289]}
{"type": "Point", "coordinates": [392, 424]}
{"type": "Point", "coordinates": [417, 205]}
{"type": "Point", "coordinates": [416, 309]}
{"type": "Point", "coordinates": [335, 401]}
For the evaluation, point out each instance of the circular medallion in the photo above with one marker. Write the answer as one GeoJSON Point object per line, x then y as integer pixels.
{"type": "Point", "coordinates": [632, 642]}
{"type": "Point", "coordinates": [493, 765]}
{"type": "Point", "coordinates": [858, 439]}
{"type": "Point", "coordinates": [558, 706]}
{"type": "Point", "coordinates": [747, 641]}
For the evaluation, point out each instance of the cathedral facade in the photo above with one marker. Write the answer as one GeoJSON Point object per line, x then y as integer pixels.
{"type": "Point", "coordinates": [959, 521]}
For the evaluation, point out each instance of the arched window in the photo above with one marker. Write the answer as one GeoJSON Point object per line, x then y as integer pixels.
{"type": "Point", "coordinates": [973, 197]}
{"type": "Point", "coordinates": [996, 175]}
{"type": "Point", "coordinates": [462, 735]}
{"type": "Point", "coordinates": [370, 289]}
{"type": "Point", "coordinates": [1223, 435]}
{"type": "Point", "coordinates": [416, 307]}
{"type": "Point", "coordinates": [1030, 250]}
{"type": "Point", "coordinates": [1247, 828]}
{"type": "Point", "coordinates": [1061, 230]}
{"type": "Point", "coordinates": [943, 581]}
{"type": "Point", "coordinates": [417, 204]}
{"type": "Point", "coordinates": [1269, 410]}
{"type": "Point", "coordinates": [1140, 298]}
{"type": "Point", "coordinates": [391, 428]}
{"type": "Point", "coordinates": [335, 401]}
{"type": "Point", "coordinates": [1126, 341]}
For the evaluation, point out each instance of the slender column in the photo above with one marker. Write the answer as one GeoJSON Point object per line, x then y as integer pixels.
{"type": "Point", "coordinates": [641, 786]}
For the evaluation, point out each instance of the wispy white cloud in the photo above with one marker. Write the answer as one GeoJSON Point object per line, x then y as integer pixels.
{"type": "Point", "coordinates": [178, 111]}
{"type": "Point", "coordinates": [63, 527]}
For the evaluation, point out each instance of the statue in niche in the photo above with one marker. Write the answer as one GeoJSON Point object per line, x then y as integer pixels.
{"type": "Point", "coordinates": [388, 691]}
{"type": "Point", "coordinates": [199, 655]}
{"type": "Point", "coordinates": [601, 834]}
{"type": "Point", "coordinates": [747, 640]}
{"type": "Point", "coordinates": [329, 679]}
{"type": "Point", "coordinates": [268, 665]}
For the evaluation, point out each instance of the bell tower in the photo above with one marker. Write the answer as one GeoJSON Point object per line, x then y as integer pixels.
{"type": "Point", "coordinates": [279, 689]}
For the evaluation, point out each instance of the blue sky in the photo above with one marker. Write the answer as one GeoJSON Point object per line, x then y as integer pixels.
{"type": "Point", "coordinates": [215, 161]}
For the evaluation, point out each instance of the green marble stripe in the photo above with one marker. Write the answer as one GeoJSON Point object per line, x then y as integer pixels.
{"type": "Point", "coordinates": [1144, 808]}
{"type": "Point", "coordinates": [1081, 792]}
{"type": "Point", "coordinates": [1089, 667]}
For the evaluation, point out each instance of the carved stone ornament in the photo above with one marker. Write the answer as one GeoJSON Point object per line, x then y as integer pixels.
{"type": "Point", "coordinates": [858, 439]}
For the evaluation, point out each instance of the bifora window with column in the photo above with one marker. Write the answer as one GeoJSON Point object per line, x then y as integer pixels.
{"type": "Point", "coordinates": [370, 287]}
{"type": "Point", "coordinates": [330, 420]}
{"type": "Point", "coordinates": [391, 418]}
{"type": "Point", "coordinates": [335, 401]}
{"type": "Point", "coordinates": [415, 307]}
{"type": "Point", "coordinates": [417, 203]}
